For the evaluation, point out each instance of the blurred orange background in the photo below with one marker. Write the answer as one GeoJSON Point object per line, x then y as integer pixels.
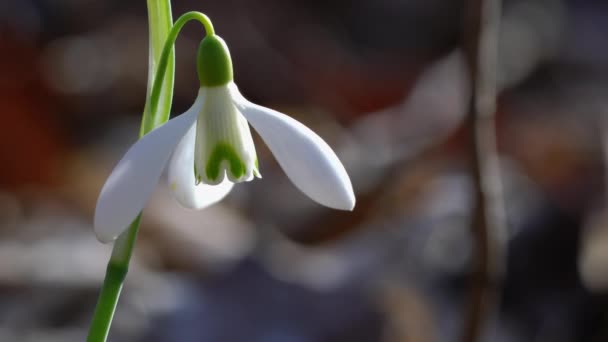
{"type": "Point", "coordinates": [385, 84]}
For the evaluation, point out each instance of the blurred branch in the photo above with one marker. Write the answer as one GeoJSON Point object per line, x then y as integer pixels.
{"type": "Point", "coordinates": [482, 22]}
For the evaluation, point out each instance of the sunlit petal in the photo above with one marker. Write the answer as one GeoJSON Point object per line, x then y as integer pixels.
{"type": "Point", "coordinates": [182, 181]}
{"type": "Point", "coordinates": [306, 158]}
{"type": "Point", "coordinates": [133, 180]}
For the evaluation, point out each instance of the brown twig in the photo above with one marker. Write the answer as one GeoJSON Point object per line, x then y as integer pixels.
{"type": "Point", "coordinates": [482, 21]}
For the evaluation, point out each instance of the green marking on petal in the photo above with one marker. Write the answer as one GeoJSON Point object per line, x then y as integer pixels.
{"type": "Point", "coordinates": [197, 177]}
{"type": "Point", "coordinates": [256, 169]}
{"type": "Point", "coordinates": [224, 151]}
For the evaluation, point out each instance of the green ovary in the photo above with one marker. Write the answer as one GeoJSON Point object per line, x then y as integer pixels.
{"type": "Point", "coordinates": [224, 151]}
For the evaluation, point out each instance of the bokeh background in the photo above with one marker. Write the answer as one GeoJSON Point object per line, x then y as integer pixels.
{"type": "Point", "coordinates": [384, 82]}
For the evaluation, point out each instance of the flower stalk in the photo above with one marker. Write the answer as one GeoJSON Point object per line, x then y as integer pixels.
{"type": "Point", "coordinates": [116, 272]}
{"type": "Point", "coordinates": [152, 119]}
{"type": "Point", "coordinates": [156, 112]}
{"type": "Point", "coordinates": [160, 24]}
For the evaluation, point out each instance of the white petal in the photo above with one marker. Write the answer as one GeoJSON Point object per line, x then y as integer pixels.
{"type": "Point", "coordinates": [183, 183]}
{"type": "Point", "coordinates": [133, 180]}
{"type": "Point", "coordinates": [306, 158]}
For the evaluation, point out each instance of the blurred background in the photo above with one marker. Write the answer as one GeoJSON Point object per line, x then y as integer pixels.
{"type": "Point", "coordinates": [384, 82]}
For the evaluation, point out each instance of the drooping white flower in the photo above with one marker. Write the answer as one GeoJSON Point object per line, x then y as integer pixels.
{"type": "Point", "coordinates": [209, 148]}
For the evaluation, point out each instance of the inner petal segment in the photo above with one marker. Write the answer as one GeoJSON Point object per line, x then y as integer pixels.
{"type": "Point", "coordinates": [224, 146]}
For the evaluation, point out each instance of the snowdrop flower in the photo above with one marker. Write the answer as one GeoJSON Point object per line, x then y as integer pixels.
{"type": "Point", "coordinates": [209, 148]}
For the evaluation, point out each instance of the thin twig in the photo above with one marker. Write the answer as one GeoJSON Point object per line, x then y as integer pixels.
{"type": "Point", "coordinates": [482, 21]}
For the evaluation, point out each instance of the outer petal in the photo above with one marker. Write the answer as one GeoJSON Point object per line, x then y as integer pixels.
{"type": "Point", "coordinates": [182, 181]}
{"type": "Point", "coordinates": [133, 180]}
{"type": "Point", "coordinates": [306, 158]}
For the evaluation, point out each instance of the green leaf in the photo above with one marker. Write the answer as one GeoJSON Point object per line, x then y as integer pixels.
{"type": "Point", "coordinates": [160, 24]}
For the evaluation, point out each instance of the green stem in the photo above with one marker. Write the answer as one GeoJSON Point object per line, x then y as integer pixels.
{"type": "Point", "coordinates": [151, 121]}
{"type": "Point", "coordinates": [116, 272]}
{"type": "Point", "coordinates": [106, 305]}
{"type": "Point", "coordinates": [160, 20]}
{"type": "Point", "coordinates": [123, 247]}
{"type": "Point", "coordinates": [156, 113]}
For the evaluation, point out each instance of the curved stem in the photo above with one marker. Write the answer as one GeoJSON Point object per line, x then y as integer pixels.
{"type": "Point", "coordinates": [161, 78]}
{"type": "Point", "coordinates": [116, 272]}
{"type": "Point", "coordinates": [160, 20]}
{"type": "Point", "coordinates": [154, 119]}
